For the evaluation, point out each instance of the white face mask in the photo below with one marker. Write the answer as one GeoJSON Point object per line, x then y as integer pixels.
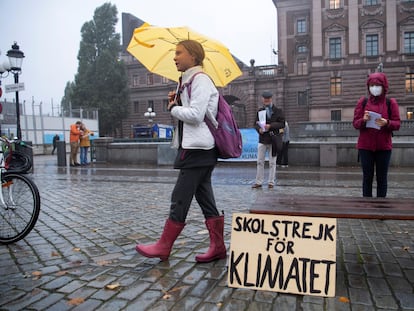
{"type": "Point", "coordinates": [375, 90]}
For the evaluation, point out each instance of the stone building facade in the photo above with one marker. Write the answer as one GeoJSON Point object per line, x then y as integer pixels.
{"type": "Point", "coordinates": [326, 49]}
{"type": "Point", "coordinates": [329, 47]}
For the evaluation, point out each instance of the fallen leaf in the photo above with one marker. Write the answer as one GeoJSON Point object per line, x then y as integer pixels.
{"type": "Point", "coordinates": [94, 230]}
{"type": "Point", "coordinates": [76, 301]}
{"type": "Point", "coordinates": [112, 286]}
{"type": "Point", "coordinates": [76, 249]}
{"type": "Point", "coordinates": [55, 254]}
{"type": "Point", "coordinates": [406, 248]}
{"type": "Point", "coordinates": [166, 296]}
{"type": "Point", "coordinates": [37, 275]}
{"type": "Point", "coordinates": [60, 273]}
{"type": "Point", "coordinates": [343, 299]}
{"type": "Point", "coordinates": [104, 262]}
{"type": "Point", "coordinates": [177, 288]}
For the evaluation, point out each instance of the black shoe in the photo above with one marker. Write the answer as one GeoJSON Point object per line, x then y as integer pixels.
{"type": "Point", "coordinates": [72, 165]}
{"type": "Point", "coordinates": [77, 164]}
{"type": "Point", "coordinates": [256, 186]}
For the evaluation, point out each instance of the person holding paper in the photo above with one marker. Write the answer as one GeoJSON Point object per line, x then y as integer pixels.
{"type": "Point", "coordinates": [270, 122]}
{"type": "Point", "coordinates": [376, 122]}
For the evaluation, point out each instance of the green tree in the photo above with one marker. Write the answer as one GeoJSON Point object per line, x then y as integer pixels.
{"type": "Point", "coordinates": [66, 100]}
{"type": "Point", "coordinates": [101, 81]}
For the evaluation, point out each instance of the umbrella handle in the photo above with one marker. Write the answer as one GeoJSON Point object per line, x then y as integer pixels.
{"type": "Point", "coordinates": [176, 92]}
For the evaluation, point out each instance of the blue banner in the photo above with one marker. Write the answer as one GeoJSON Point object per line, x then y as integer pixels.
{"type": "Point", "coordinates": [250, 139]}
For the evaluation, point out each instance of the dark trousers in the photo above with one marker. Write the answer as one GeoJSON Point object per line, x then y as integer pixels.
{"type": "Point", "coordinates": [193, 182]}
{"type": "Point", "coordinates": [378, 161]}
{"type": "Point", "coordinates": [283, 157]}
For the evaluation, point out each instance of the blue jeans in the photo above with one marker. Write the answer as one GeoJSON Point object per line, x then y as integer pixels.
{"type": "Point", "coordinates": [378, 161]}
{"type": "Point", "coordinates": [84, 155]}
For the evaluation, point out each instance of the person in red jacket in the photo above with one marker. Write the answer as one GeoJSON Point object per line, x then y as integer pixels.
{"type": "Point", "coordinates": [376, 122]}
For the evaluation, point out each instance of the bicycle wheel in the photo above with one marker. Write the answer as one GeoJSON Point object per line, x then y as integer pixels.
{"type": "Point", "coordinates": [20, 207]}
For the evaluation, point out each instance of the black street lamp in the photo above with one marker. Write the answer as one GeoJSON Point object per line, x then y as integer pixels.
{"type": "Point", "coordinates": [15, 59]}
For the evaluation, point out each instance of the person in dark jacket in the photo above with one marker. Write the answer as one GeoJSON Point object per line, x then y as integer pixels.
{"type": "Point", "coordinates": [283, 158]}
{"type": "Point", "coordinates": [56, 138]}
{"type": "Point", "coordinates": [375, 127]}
{"type": "Point", "coordinates": [270, 139]}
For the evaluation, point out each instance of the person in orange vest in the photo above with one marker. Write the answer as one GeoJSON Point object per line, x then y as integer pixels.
{"type": "Point", "coordinates": [75, 133]}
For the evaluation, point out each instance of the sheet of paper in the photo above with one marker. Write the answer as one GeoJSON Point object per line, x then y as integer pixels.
{"type": "Point", "coordinates": [262, 119]}
{"type": "Point", "coordinates": [371, 122]}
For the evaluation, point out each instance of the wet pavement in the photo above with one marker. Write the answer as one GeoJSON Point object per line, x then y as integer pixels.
{"type": "Point", "coordinates": [81, 256]}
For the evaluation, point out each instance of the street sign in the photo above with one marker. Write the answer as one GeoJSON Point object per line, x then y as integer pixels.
{"type": "Point", "coordinates": [17, 87]}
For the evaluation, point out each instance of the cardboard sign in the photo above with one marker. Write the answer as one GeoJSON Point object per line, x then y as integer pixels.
{"type": "Point", "coordinates": [283, 254]}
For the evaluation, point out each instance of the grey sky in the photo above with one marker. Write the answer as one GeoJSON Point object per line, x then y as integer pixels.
{"type": "Point", "coordinates": [48, 32]}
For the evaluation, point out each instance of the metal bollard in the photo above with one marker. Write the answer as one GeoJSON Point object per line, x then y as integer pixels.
{"type": "Point", "coordinates": [61, 153]}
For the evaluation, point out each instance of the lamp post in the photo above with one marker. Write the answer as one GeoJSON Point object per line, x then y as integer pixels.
{"type": "Point", "coordinates": [150, 114]}
{"type": "Point", "coordinates": [15, 59]}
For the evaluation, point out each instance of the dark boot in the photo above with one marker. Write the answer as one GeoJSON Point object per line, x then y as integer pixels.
{"type": "Point", "coordinates": [162, 248]}
{"type": "Point", "coordinates": [217, 249]}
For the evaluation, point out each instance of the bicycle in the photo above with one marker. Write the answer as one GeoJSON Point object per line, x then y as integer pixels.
{"type": "Point", "coordinates": [19, 195]}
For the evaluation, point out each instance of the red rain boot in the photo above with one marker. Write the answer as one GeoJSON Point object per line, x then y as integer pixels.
{"type": "Point", "coordinates": [217, 249]}
{"type": "Point", "coordinates": [162, 248]}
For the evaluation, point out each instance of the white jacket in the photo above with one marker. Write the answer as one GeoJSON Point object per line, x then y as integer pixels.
{"type": "Point", "coordinates": [204, 99]}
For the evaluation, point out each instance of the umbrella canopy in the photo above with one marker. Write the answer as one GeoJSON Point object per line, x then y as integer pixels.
{"type": "Point", "coordinates": [155, 47]}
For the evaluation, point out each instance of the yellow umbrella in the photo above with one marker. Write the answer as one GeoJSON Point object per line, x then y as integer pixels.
{"type": "Point", "coordinates": [155, 46]}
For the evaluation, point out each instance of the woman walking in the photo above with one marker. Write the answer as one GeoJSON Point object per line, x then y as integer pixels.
{"type": "Point", "coordinates": [196, 156]}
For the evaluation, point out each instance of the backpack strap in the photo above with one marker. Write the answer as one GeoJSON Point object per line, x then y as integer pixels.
{"type": "Point", "coordinates": [187, 85]}
{"type": "Point", "coordinates": [208, 118]}
{"type": "Point", "coordinates": [388, 101]}
{"type": "Point", "coordinates": [364, 103]}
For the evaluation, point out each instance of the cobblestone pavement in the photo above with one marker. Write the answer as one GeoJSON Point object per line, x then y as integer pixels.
{"type": "Point", "coordinates": [91, 219]}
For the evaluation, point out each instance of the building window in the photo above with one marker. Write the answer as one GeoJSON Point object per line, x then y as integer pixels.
{"type": "Point", "coordinates": [151, 105]}
{"type": "Point", "coordinates": [371, 2]}
{"type": "Point", "coordinates": [302, 67]}
{"type": "Point", "coordinates": [150, 79]}
{"type": "Point", "coordinates": [303, 98]}
{"type": "Point", "coordinates": [135, 80]}
{"type": "Point", "coordinates": [409, 83]}
{"type": "Point", "coordinates": [409, 42]}
{"type": "Point", "coordinates": [142, 107]}
{"type": "Point", "coordinates": [165, 80]}
{"type": "Point", "coordinates": [334, 4]}
{"type": "Point", "coordinates": [335, 115]}
{"type": "Point", "coordinates": [136, 106]}
{"type": "Point", "coordinates": [336, 86]}
{"type": "Point", "coordinates": [165, 105]}
{"type": "Point", "coordinates": [335, 48]}
{"type": "Point", "coordinates": [410, 113]}
{"type": "Point", "coordinates": [302, 49]}
{"type": "Point", "coordinates": [301, 26]}
{"type": "Point", "coordinates": [372, 45]}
